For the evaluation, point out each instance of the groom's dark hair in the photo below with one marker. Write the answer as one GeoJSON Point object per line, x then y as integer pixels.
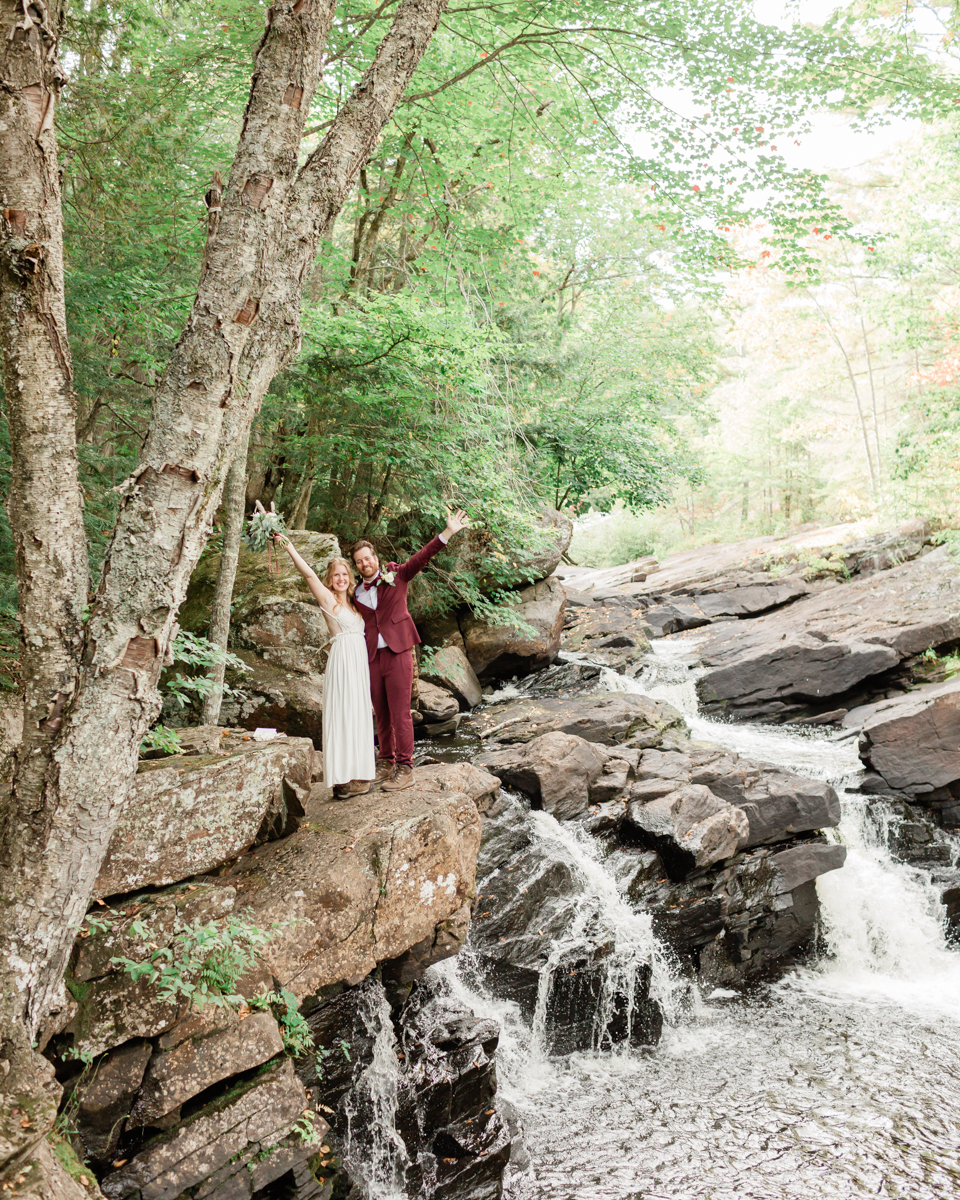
{"type": "Point", "coordinates": [363, 544]}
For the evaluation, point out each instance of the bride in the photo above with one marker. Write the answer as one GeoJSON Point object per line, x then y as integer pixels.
{"type": "Point", "coordinates": [349, 762]}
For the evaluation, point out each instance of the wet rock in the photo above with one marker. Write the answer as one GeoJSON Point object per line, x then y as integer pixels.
{"type": "Point", "coordinates": [665, 619]}
{"type": "Point", "coordinates": [689, 828]}
{"type": "Point", "coordinates": [616, 637]}
{"type": "Point", "coordinates": [610, 718]}
{"type": "Point", "coordinates": [448, 1114]}
{"type": "Point", "coordinates": [556, 770]}
{"type": "Point", "coordinates": [103, 1096]}
{"type": "Point", "coordinates": [534, 919]}
{"type": "Point", "coordinates": [828, 643]}
{"type": "Point", "coordinates": [451, 669]}
{"type": "Point", "coordinates": [221, 803]}
{"type": "Point", "coordinates": [499, 651]}
{"type": "Point", "coordinates": [448, 1107]}
{"type": "Point", "coordinates": [249, 1118]}
{"type": "Point", "coordinates": [202, 1049]}
{"type": "Point", "coordinates": [436, 703]}
{"type": "Point", "coordinates": [289, 701]}
{"type": "Point", "coordinates": [912, 742]}
{"type": "Point", "coordinates": [801, 864]}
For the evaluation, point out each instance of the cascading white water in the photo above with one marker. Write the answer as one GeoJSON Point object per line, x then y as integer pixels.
{"type": "Point", "coordinates": [841, 1081]}
{"type": "Point", "coordinates": [373, 1151]}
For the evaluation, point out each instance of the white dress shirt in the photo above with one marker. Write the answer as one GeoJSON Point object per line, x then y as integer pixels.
{"type": "Point", "coordinates": [366, 594]}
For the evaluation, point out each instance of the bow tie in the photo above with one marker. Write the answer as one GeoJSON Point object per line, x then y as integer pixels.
{"type": "Point", "coordinates": [372, 583]}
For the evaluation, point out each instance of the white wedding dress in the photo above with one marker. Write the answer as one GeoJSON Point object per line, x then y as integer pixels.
{"type": "Point", "coordinates": [347, 713]}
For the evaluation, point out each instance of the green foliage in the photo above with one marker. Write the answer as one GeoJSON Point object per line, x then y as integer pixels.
{"type": "Point", "coordinates": [196, 651]}
{"type": "Point", "coordinates": [813, 564]}
{"type": "Point", "coordinates": [326, 1052]}
{"type": "Point", "coordinates": [161, 738]}
{"type": "Point", "coordinates": [203, 962]}
{"type": "Point", "coordinates": [297, 1038]}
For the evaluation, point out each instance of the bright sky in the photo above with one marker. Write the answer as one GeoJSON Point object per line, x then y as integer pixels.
{"type": "Point", "coordinates": [832, 144]}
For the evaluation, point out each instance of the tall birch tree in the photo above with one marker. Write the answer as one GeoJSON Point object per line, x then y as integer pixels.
{"type": "Point", "coordinates": [91, 669]}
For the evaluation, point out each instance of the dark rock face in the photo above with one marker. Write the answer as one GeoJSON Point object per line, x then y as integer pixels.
{"type": "Point", "coordinates": [453, 1141]}
{"type": "Point", "coordinates": [827, 644]}
{"type": "Point", "coordinates": [689, 828]}
{"type": "Point", "coordinates": [912, 742]}
{"type": "Point", "coordinates": [541, 938]}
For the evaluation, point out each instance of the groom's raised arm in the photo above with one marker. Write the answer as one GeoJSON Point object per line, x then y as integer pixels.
{"type": "Point", "coordinates": [414, 565]}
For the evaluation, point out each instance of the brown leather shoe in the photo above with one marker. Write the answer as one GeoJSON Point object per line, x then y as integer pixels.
{"type": "Point", "coordinates": [358, 787]}
{"type": "Point", "coordinates": [403, 779]}
{"type": "Point", "coordinates": [385, 770]}
{"type": "Point", "coordinates": [341, 791]}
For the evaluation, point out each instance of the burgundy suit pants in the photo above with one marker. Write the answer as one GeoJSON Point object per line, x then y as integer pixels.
{"type": "Point", "coordinates": [391, 684]}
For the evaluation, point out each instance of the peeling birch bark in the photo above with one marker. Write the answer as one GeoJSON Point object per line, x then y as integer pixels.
{"type": "Point", "coordinates": [243, 328]}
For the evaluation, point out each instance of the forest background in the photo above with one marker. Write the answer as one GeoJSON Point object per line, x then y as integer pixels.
{"type": "Point", "coordinates": [578, 271]}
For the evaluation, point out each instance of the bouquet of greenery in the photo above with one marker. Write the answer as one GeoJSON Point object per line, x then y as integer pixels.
{"type": "Point", "coordinates": [261, 527]}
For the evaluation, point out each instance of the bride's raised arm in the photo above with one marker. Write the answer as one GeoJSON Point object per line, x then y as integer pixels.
{"type": "Point", "coordinates": [322, 594]}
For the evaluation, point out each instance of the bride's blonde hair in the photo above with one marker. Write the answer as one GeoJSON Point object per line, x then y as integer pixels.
{"type": "Point", "coordinates": [328, 576]}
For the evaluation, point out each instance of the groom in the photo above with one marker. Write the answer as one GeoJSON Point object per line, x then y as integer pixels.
{"type": "Point", "coordinates": [381, 597]}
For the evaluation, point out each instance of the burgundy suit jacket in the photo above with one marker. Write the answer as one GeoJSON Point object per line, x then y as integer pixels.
{"type": "Point", "coordinates": [391, 617]}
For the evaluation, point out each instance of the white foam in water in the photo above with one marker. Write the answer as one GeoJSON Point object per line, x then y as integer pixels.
{"type": "Point", "coordinates": [375, 1154]}
{"type": "Point", "coordinates": [844, 1081]}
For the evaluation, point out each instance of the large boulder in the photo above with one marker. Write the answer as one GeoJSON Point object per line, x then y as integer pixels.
{"type": "Point", "coordinates": [188, 814]}
{"type": "Point", "coordinates": [559, 771]}
{"type": "Point", "coordinates": [273, 613]}
{"type": "Point", "coordinates": [777, 804]}
{"type": "Point", "coordinates": [689, 828]}
{"type": "Point", "coordinates": [363, 882]}
{"type": "Point", "coordinates": [913, 741]}
{"type": "Point", "coordinates": [276, 698]}
{"type": "Point", "coordinates": [611, 718]}
{"type": "Point", "coordinates": [496, 651]}
{"type": "Point", "coordinates": [828, 643]}
{"type": "Point", "coordinates": [448, 667]}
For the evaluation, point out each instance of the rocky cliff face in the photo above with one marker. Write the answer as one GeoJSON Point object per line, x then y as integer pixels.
{"type": "Point", "coordinates": [232, 874]}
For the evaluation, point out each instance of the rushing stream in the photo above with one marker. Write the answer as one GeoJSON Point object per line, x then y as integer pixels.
{"type": "Point", "coordinates": [842, 1080]}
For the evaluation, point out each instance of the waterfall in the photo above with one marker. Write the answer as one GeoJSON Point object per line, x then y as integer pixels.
{"type": "Point", "coordinates": [373, 1152]}
{"type": "Point", "coordinates": [841, 1080]}
{"type": "Point", "coordinates": [600, 902]}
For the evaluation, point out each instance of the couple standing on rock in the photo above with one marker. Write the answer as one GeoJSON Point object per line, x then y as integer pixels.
{"type": "Point", "coordinates": [382, 671]}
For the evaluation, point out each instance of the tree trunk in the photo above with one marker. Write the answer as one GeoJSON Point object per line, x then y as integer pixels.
{"type": "Point", "coordinates": [96, 702]}
{"type": "Point", "coordinates": [301, 506]}
{"type": "Point", "coordinates": [234, 496]}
